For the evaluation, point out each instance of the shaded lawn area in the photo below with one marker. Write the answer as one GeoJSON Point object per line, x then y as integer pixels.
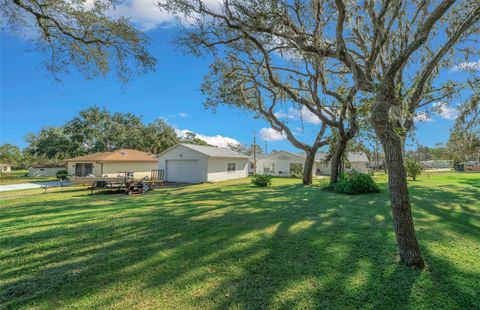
{"type": "Point", "coordinates": [233, 245]}
{"type": "Point", "coordinates": [18, 176]}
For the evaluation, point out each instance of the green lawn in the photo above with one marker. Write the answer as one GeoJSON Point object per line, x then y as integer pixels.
{"type": "Point", "coordinates": [18, 176]}
{"type": "Point", "coordinates": [233, 245]}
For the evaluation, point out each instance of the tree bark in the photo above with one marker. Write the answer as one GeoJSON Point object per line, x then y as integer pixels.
{"type": "Point", "coordinates": [385, 129]}
{"type": "Point", "coordinates": [336, 161]}
{"type": "Point", "coordinates": [307, 168]}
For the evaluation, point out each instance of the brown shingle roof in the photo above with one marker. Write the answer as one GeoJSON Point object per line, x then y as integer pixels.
{"type": "Point", "coordinates": [119, 155]}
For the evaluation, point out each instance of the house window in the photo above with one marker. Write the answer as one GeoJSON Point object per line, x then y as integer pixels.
{"type": "Point", "coordinates": [295, 168]}
{"type": "Point", "coordinates": [268, 168]}
{"type": "Point", "coordinates": [252, 165]}
{"type": "Point", "coordinates": [231, 167]}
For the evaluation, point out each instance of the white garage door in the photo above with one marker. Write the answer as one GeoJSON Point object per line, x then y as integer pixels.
{"type": "Point", "coordinates": [183, 171]}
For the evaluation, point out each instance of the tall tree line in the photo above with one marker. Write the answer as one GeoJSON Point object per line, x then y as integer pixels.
{"type": "Point", "coordinates": [97, 130]}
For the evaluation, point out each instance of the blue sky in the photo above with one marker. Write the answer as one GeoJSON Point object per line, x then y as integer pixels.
{"type": "Point", "coordinates": [30, 99]}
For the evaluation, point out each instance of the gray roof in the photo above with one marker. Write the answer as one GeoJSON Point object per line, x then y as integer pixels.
{"type": "Point", "coordinates": [213, 151]}
{"type": "Point", "coordinates": [258, 156]}
{"type": "Point", "coordinates": [351, 156]}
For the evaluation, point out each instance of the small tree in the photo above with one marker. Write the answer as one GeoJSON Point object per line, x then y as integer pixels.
{"type": "Point", "coordinates": [413, 168]}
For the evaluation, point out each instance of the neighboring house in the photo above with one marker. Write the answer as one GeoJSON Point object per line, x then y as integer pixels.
{"type": "Point", "coordinates": [251, 161]}
{"type": "Point", "coordinates": [355, 161]}
{"type": "Point", "coordinates": [48, 170]}
{"type": "Point", "coordinates": [113, 164]}
{"type": "Point", "coordinates": [189, 163]}
{"type": "Point", "coordinates": [285, 163]}
{"type": "Point", "coordinates": [281, 163]}
{"type": "Point", "coordinates": [5, 168]}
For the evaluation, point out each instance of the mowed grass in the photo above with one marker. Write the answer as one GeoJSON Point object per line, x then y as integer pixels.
{"type": "Point", "coordinates": [235, 246]}
{"type": "Point", "coordinates": [18, 176]}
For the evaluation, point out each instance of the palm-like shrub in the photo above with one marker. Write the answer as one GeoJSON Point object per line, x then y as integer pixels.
{"type": "Point", "coordinates": [413, 168]}
{"type": "Point", "coordinates": [262, 180]}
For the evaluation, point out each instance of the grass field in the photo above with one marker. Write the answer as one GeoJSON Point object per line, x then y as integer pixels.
{"type": "Point", "coordinates": [233, 245]}
{"type": "Point", "coordinates": [18, 176]}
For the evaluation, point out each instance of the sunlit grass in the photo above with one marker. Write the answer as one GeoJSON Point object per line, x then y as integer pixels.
{"type": "Point", "coordinates": [233, 245]}
{"type": "Point", "coordinates": [18, 176]}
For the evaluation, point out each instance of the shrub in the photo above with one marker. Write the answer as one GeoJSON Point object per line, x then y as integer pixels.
{"type": "Point", "coordinates": [296, 175]}
{"type": "Point", "coordinates": [413, 167]}
{"type": "Point", "coordinates": [61, 174]}
{"type": "Point", "coordinates": [355, 183]}
{"type": "Point", "coordinates": [262, 180]}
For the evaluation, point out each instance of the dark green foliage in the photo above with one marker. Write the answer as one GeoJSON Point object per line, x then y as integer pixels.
{"type": "Point", "coordinates": [62, 174]}
{"type": "Point", "coordinates": [413, 168]}
{"type": "Point", "coordinates": [10, 154]}
{"type": "Point", "coordinates": [191, 138]}
{"type": "Point", "coordinates": [96, 129]}
{"type": "Point", "coordinates": [355, 183]}
{"type": "Point", "coordinates": [262, 180]}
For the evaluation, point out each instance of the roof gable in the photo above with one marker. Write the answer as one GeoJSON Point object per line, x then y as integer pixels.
{"type": "Point", "coordinates": [285, 154]}
{"type": "Point", "coordinates": [210, 151]}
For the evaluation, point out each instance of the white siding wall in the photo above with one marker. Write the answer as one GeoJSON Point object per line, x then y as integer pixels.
{"type": "Point", "coordinates": [217, 169]}
{"type": "Point", "coordinates": [44, 172]}
{"type": "Point", "coordinates": [358, 166]}
{"type": "Point", "coordinates": [282, 163]}
{"type": "Point", "coordinates": [181, 152]}
{"type": "Point", "coordinates": [325, 168]}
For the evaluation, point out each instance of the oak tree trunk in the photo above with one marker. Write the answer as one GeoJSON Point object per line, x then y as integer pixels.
{"type": "Point", "coordinates": [336, 162]}
{"type": "Point", "coordinates": [397, 179]}
{"type": "Point", "coordinates": [307, 169]}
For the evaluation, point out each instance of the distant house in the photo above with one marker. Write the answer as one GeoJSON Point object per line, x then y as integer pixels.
{"type": "Point", "coordinates": [284, 163]}
{"type": "Point", "coordinates": [48, 170]}
{"type": "Point", "coordinates": [189, 163]}
{"type": "Point", "coordinates": [251, 161]}
{"type": "Point", "coordinates": [5, 168]}
{"type": "Point", "coordinates": [113, 164]}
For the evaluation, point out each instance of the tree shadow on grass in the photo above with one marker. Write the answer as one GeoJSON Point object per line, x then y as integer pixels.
{"type": "Point", "coordinates": [214, 247]}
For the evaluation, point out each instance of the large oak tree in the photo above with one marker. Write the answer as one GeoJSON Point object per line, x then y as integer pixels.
{"type": "Point", "coordinates": [381, 47]}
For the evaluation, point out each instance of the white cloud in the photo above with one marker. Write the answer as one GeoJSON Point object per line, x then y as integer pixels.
{"type": "Point", "coordinates": [467, 66]}
{"type": "Point", "coordinates": [145, 13]}
{"type": "Point", "coordinates": [422, 117]}
{"type": "Point", "coordinates": [303, 114]}
{"type": "Point", "coordinates": [217, 140]}
{"type": "Point", "coordinates": [182, 114]}
{"type": "Point", "coordinates": [445, 112]}
{"type": "Point", "coordinates": [270, 134]}
{"type": "Point", "coordinates": [148, 15]}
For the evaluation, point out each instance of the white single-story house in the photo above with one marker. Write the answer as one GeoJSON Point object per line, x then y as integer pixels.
{"type": "Point", "coordinates": [5, 168]}
{"type": "Point", "coordinates": [48, 170]}
{"type": "Point", "coordinates": [190, 163]}
{"type": "Point", "coordinates": [251, 161]}
{"type": "Point", "coordinates": [357, 161]}
{"type": "Point", "coordinates": [137, 164]}
{"type": "Point", "coordinates": [283, 163]}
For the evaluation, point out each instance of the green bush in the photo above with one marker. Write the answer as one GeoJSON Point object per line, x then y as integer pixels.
{"type": "Point", "coordinates": [413, 167]}
{"type": "Point", "coordinates": [296, 175]}
{"type": "Point", "coordinates": [262, 180]}
{"type": "Point", "coordinates": [355, 183]}
{"type": "Point", "coordinates": [61, 174]}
